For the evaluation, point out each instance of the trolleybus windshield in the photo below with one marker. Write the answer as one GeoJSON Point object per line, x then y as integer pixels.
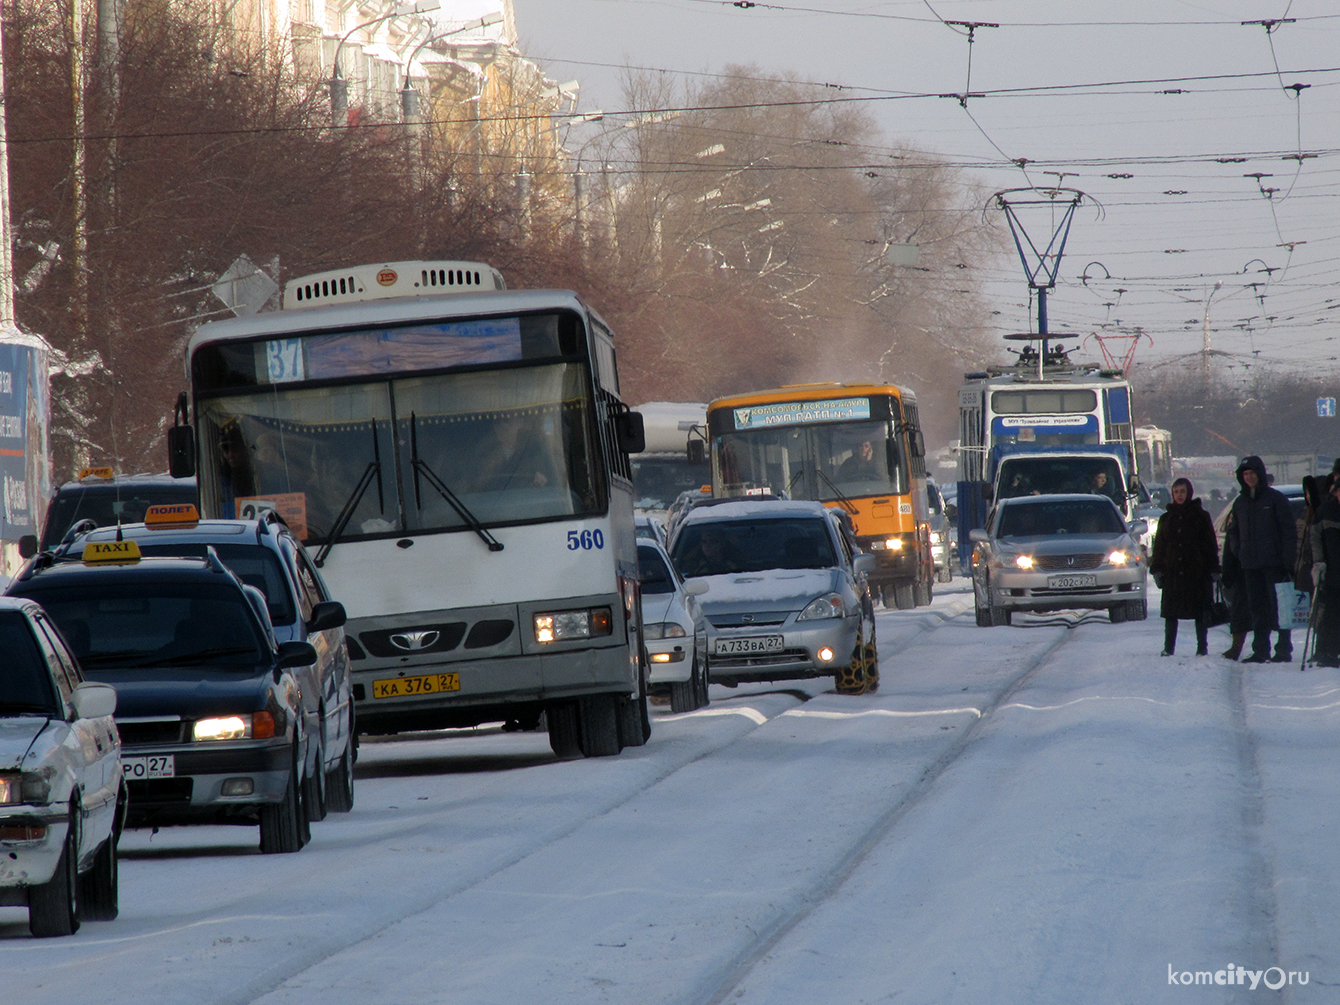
{"type": "Point", "coordinates": [366, 454]}
{"type": "Point", "coordinates": [825, 462]}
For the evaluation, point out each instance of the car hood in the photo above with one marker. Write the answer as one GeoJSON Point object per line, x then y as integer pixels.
{"type": "Point", "coordinates": [190, 699]}
{"type": "Point", "coordinates": [1066, 544]}
{"type": "Point", "coordinates": [768, 590]}
{"type": "Point", "coordinates": [657, 607]}
{"type": "Point", "coordinates": [16, 736]}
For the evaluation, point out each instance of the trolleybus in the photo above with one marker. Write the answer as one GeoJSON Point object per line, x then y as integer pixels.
{"type": "Point", "coordinates": [456, 456]}
{"type": "Point", "coordinates": [856, 447]}
{"type": "Point", "coordinates": [1153, 455]}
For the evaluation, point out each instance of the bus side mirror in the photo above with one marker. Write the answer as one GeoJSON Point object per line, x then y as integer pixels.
{"type": "Point", "coordinates": [181, 441]}
{"type": "Point", "coordinates": [988, 493]}
{"type": "Point", "coordinates": [918, 444]}
{"type": "Point", "coordinates": [696, 453]}
{"type": "Point", "coordinates": [27, 546]}
{"type": "Point", "coordinates": [631, 432]}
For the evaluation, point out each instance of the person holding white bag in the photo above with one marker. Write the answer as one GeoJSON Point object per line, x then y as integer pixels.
{"type": "Point", "coordinates": [1264, 537]}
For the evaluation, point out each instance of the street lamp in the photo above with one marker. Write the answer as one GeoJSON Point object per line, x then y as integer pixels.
{"type": "Point", "coordinates": [409, 97]}
{"type": "Point", "coordinates": [339, 87]}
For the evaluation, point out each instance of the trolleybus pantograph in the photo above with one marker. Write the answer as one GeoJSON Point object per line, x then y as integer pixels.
{"type": "Point", "coordinates": [456, 455]}
{"type": "Point", "coordinates": [856, 447]}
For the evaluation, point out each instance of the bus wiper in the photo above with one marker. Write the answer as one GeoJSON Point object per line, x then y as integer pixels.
{"type": "Point", "coordinates": [421, 467]}
{"type": "Point", "coordinates": [847, 504]}
{"type": "Point", "coordinates": [351, 504]}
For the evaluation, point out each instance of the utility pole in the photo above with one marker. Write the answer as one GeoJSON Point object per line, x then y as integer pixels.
{"type": "Point", "coordinates": [1205, 333]}
{"type": "Point", "coordinates": [78, 189]}
{"type": "Point", "coordinates": [7, 321]}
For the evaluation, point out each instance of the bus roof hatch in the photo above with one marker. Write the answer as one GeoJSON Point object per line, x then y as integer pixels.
{"type": "Point", "coordinates": [390, 279]}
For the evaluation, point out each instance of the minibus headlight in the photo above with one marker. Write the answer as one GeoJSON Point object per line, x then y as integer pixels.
{"type": "Point", "coordinates": [563, 625]}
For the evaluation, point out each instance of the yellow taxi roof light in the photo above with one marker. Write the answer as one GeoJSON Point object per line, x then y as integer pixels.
{"type": "Point", "coordinates": [100, 472]}
{"type": "Point", "coordinates": [164, 515]}
{"type": "Point", "coordinates": [111, 553]}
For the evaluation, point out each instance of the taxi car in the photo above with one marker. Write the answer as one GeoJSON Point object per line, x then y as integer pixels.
{"type": "Point", "coordinates": [265, 554]}
{"type": "Point", "coordinates": [62, 799]}
{"type": "Point", "coordinates": [1055, 553]}
{"type": "Point", "coordinates": [788, 597]}
{"type": "Point", "coordinates": [673, 628]}
{"type": "Point", "coordinates": [208, 707]}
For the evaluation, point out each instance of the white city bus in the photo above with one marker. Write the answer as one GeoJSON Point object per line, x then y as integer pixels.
{"type": "Point", "coordinates": [455, 455]}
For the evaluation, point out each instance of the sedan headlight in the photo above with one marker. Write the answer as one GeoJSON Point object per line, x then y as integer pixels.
{"type": "Point", "coordinates": [1023, 561]}
{"type": "Point", "coordinates": [830, 606]}
{"type": "Point", "coordinates": [248, 726]}
{"type": "Point", "coordinates": [564, 625]}
{"type": "Point", "coordinates": [11, 789]}
{"type": "Point", "coordinates": [1119, 557]}
{"type": "Point", "coordinates": [663, 630]}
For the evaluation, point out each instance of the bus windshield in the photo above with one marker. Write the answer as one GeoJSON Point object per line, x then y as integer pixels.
{"type": "Point", "coordinates": [386, 456]}
{"type": "Point", "coordinates": [825, 462]}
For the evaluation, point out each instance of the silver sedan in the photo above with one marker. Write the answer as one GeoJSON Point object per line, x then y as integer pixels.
{"type": "Point", "coordinates": [1058, 552]}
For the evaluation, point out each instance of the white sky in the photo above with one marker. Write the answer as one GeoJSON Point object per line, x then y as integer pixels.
{"type": "Point", "coordinates": [1166, 251]}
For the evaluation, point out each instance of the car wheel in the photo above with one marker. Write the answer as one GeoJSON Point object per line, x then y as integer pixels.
{"type": "Point", "coordinates": [53, 907]}
{"type": "Point", "coordinates": [340, 782]}
{"type": "Point", "coordinates": [314, 785]}
{"type": "Point", "coordinates": [983, 615]}
{"type": "Point", "coordinates": [701, 672]}
{"type": "Point", "coordinates": [683, 696]}
{"type": "Point", "coordinates": [563, 739]}
{"type": "Point", "coordinates": [851, 678]}
{"type": "Point", "coordinates": [598, 724]}
{"type": "Point", "coordinates": [99, 887]}
{"type": "Point", "coordinates": [634, 717]}
{"type": "Point", "coordinates": [1137, 610]}
{"type": "Point", "coordinates": [945, 575]}
{"type": "Point", "coordinates": [1117, 613]}
{"type": "Point", "coordinates": [871, 663]}
{"type": "Point", "coordinates": [281, 822]}
{"type": "Point", "coordinates": [1001, 616]}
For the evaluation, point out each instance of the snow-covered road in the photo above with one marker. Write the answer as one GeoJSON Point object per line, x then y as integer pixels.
{"type": "Point", "coordinates": [1032, 814]}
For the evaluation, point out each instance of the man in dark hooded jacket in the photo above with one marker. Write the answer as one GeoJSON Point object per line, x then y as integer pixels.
{"type": "Point", "coordinates": [1265, 538]}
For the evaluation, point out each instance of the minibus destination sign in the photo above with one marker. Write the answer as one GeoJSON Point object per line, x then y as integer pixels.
{"type": "Point", "coordinates": [790, 413]}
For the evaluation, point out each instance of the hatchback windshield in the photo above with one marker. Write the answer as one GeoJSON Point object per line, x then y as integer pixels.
{"type": "Point", "coordinates": [1071, 516]}
{"type": "Point", "coordinates": [720, 547]}
{"type": "Point", "coordinates": [155, 624]}
{"type": "Point", "coordinates": [25, 685]}
{"type": "Point", "coordinates": [654, 576]}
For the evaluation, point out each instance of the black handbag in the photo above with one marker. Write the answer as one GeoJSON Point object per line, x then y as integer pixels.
{"type": "Point", "coordinates": [1217, 611]}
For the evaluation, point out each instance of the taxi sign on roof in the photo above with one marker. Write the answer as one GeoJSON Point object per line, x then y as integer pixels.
{"type": "Point", "coordinates": [111, 552]}
{"type": "Point", "coordinates": [101, 472]}
{"type": "Point", "coordinates": [165, 515]}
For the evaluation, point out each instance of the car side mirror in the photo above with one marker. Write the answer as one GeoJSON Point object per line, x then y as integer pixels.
{"type": "Point", "coordinates": [93, 701]}
{"type": "Point", "coordinates": [696, 587]}
{"type": "Point", "coordinates": [631, 431]}
{"type": "Point", "coordinates": [327, 615]}
{"type": "Point", "coordinates": [296, 654]}
{"type": "Point", "coordinates": [27, 546]}
{"type": "Point", "coordinates": [951, 511]}
{"type": "Point", "coordinates": [181, 441]}
{"type": "Point", "coordinates": [978, 535]}
{"type": "Point", "coordinates": [863, 565]}
{"type": "Point", "coordinates": [1139, 527]}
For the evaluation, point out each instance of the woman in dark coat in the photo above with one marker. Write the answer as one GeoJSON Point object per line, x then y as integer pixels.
{"type": "Point", "coordinates": [1185, 555]}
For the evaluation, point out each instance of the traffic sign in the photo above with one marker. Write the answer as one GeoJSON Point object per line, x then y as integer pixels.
{"type": "Point", "coordinates": [1326, 408]}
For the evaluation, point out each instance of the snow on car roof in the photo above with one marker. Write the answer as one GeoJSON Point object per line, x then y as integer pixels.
{"type": "Point", "coordinates": [755, 508]}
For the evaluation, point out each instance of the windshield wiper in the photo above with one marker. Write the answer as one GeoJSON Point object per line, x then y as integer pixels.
{"type": "Point", "coordinates": [421, 467]}
{"type": "Point", "coordinates": [847, 504]}
{"type": "Point", "coordinates": [201, 654]}
{"type": "Point", "coordinates": [124, 654]}
{"type": "Point", "coordinates": [351, 504]}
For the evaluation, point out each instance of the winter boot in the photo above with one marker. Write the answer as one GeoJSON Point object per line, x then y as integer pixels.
{"type": "Point", "coordinates": [1235, 650]}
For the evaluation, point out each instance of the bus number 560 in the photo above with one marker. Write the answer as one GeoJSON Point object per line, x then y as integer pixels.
{"type": "Point", "coordinates": [586, 540]}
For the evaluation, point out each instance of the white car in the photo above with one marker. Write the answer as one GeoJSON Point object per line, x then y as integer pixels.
{"type": "Point", "coordinates": [62, 797]}
{"type": "Point", "coordinates": [673, 628]}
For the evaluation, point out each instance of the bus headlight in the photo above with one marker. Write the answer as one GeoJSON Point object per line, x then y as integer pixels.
{"type": "Point", "coordinates": [936, 537]}
{"type": "Point", "coordinates": [562, 625]}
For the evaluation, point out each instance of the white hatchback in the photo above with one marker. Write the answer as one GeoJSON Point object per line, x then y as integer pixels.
{"type": "Point", "coordinates": [62, 797]}
{"type": "Point", "coordinates": [673, 628]}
